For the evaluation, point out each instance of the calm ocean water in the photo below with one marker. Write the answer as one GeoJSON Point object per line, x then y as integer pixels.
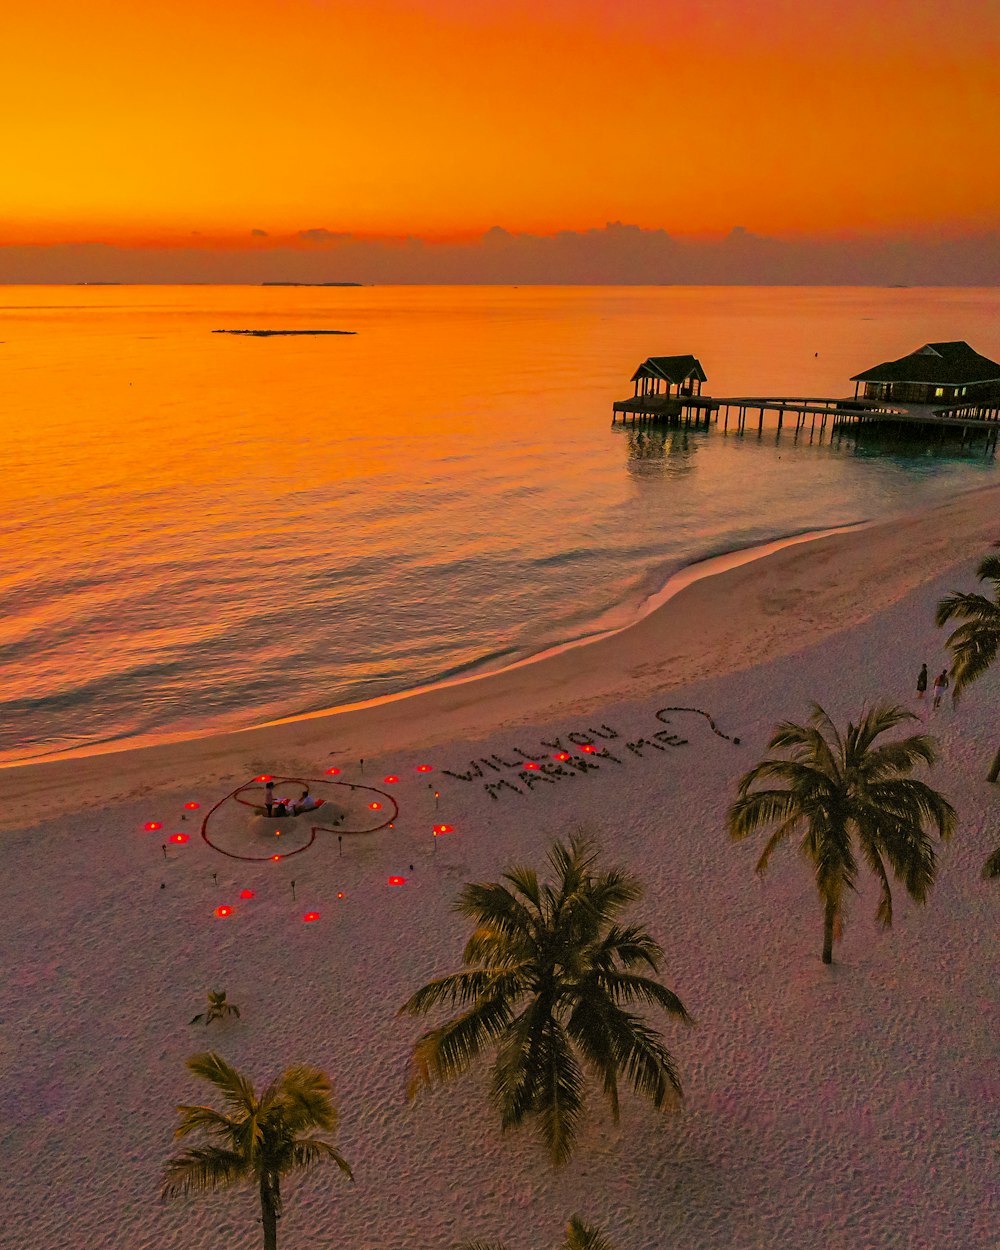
{"type": "Point", "coordinates": [201, 531]}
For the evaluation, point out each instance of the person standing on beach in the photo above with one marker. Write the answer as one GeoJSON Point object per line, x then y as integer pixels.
{"type": "Point", "coordinates": [940, 686]}
{"type": "Point", "coordinates": [922, 681]}
{"type": "Point", "coordinates": [269, 797]}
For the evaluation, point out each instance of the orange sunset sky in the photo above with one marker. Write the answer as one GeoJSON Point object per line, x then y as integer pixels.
{"type": "Point", "coordinates": [130, 122]}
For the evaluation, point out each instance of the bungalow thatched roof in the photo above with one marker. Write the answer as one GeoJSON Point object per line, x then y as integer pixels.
{"type": "Point", "coordinates": [673, 369]}
{"type": "Point", "coordinates": [936, 364]}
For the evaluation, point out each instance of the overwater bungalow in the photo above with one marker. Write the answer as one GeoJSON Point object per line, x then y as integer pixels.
{"type": "Point", "coordinates": [943, 374]}
{"type": "Point", "coordinates": [682, 373]}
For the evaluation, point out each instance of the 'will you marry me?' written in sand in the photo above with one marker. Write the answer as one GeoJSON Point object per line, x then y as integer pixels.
{"type": "Point", "coordinates": [580, 754]}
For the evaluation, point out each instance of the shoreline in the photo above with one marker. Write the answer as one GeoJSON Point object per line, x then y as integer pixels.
{"type": "Point", "coordinates": [478, 670]}
{"type": "Point", "coordinates": [688, 630]}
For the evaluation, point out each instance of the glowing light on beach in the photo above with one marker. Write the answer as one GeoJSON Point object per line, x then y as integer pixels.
{"type": "Point", "coordinates": [390, 780]}
{"type": "Point", "coordinates": [192, 807]}
{"type": "Point", "coordinates": [333, 772]}
{"type": "Point", "coordinates": [223, 912]}
{"type": "Point", "coordinates": [425, 768]}
{"type": "Point", "coordinates": [588, 747]}
{"type": "Point", "coordinates": [246, 894]}
{"type": "Point", "coordinates": [391, 825]}
{"type": "Point", "coordinates": [310, 916]}
{"type": "Point", "coordinates": [562, 755]}
{"type": "Point", "coordinates": [340, 894]}
{"type": "Point", "coordinates": [264, 777]}
{"type": "Point", "coordinates": [152, 826]}
{"type": "Point", "coordinates": [178, 837]}
{"type": "Point", "coordinates": [533, 767]}
{"type": "Point", "coordinates": [397, 880]}
{"type": "Point", "coordinates": [375, 807]}
{"type": "Point", "coordinates": [443, 829]}
{"type": "Point", "coordinates": [276, 857]}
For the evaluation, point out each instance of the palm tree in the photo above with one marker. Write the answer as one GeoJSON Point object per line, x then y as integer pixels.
{"type": "Point", "coordinates": [218, 1008]}
{"type": "Point", "coordinates": [975, 643]}
{"type": "Point", "coordinates": [254, 1140]}
{"type": "Point", "coordinates": [549, 973]}
{"type": "Point", "coordinates": [579, 1236]}
{"type": "Point", "coordinates": [844, 791]}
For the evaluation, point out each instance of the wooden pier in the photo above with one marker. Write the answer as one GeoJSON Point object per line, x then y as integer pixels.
{"type": "Point", "coordinates": [810, 412]}
{"type": "Point", "coordinates": [974, 406]}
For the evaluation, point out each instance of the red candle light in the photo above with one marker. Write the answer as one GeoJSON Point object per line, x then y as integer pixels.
{"type": "Point", "coordinates": [333, 772]}
{"type": "Point", "coordinates": [340, 894]}
{"type": "Point", "coordinates": [390, 780]}
{"type": "Point", "coordinates": [588, 747]}
{"type": "Point", "coordinates": [425, 768]}
{"type": "Point", "coordinates": [533, 767]}
{"type": "Point", "coordinates": [276, 857]}
{"type": "Point", "coordinates": [443, 829]}
{"type": "Point", "coordinates": [246, 894]}
{"type": "Point", "coordinates": [192, 807]}
{"type": "Point", "coordinates": [563, 755]}
{"type": "Point", "coordinates": [223, 912]}
{"type": "Point", "coordinates": [310, 916]}
{"type": "Point", "coordinates": [178, 837]}
{"type": "Point", "coordinates": [397, 880]}
{"type": "Point", "coordinates": [375, 807]}
{"type": "Point", "coordinates": [264, 777]}
{"type": "Point", "coordinates": [152, 826]}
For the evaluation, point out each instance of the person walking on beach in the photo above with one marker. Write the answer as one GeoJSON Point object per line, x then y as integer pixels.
{"type": "Point", "coordinates": [940, 686]}
{"type": "Point", "coordinates": [922, 681]}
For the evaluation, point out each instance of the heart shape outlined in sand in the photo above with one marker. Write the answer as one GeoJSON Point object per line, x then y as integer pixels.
{"type": "Point", "coordinates": [316, 814]}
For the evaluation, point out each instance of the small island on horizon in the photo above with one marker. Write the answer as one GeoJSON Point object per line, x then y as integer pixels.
{"type": "Point", "coordinates": [263, 334]}
{"type": "Point", "coordinates": [313, 284]}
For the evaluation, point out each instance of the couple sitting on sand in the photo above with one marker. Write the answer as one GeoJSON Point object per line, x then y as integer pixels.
{"type": "Point", "coordinates": [288, 807]}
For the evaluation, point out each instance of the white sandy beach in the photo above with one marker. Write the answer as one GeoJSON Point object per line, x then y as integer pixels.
{"type": "Point", "coordinates": [841, 1107]}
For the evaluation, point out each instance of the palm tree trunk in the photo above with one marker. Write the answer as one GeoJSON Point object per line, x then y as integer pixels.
{"type": "Point", "coordinates": [269, 1216]}
{"type": "Point", "coordinates": [829, 919]}
{"type": "Point", "coordinates": [995, 767]}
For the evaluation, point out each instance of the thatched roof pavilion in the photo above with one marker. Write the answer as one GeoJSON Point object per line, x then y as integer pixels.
{"type": "Point", "coordinates": [937, 373]}
{"type": "Point", "coordinates": [683, 373]}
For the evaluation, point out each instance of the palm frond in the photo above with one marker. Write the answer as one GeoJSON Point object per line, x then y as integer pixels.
{"type": "Point", "coordinates": [625, 987]}
{"type": "Point", "coordinates": [627, 945]}
{"type": "Point", "coordinates": [754, 811]}
{"type": "Point", "coordinates": [581, 1236]}
{"type": "Point", "coordinates": [974, 647]}
{"type": "Point", "coordinates": [457, 987]}
{"type": "Point", "coordinates": [481, 1245]}
{"type": "Point", "coordinates": [884, 912]}
{"type": "Point", "coordinates": [641, 1057]}
{"type": "Point", "coordinates": [892, 758]}
{"type": "Point", "coordinates": [991, 869]}
{"type": "Point", "coordinates": [306, 1096]}
{"type": "Point", "coordinates": [775, 840]}
{"type": "Point", "coordinates": [518, 1068]}
{"type": "Point", "coordinates": [965, 607]}
{"type": "Point", "coordinates": [446, 1052]}
{"type": "Point", "coordinates": [559, 1098]}
{"type": "Point", "coordinates": [875, 721]}
{"type": "Point", "coordinates": [200, 1169]}
{"type": "Point", "coordinates": [306, 1152]}
{"type": "Point", "coordinates": [236, 1090]}
{"type": "Point", "coordinates": [207, 1118]}
{"type": "Point", "coordinates": [493, 906]}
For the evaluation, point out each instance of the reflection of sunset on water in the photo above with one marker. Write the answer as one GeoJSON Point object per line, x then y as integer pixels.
{"type": "Point", "coordinates": [230, 530]}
